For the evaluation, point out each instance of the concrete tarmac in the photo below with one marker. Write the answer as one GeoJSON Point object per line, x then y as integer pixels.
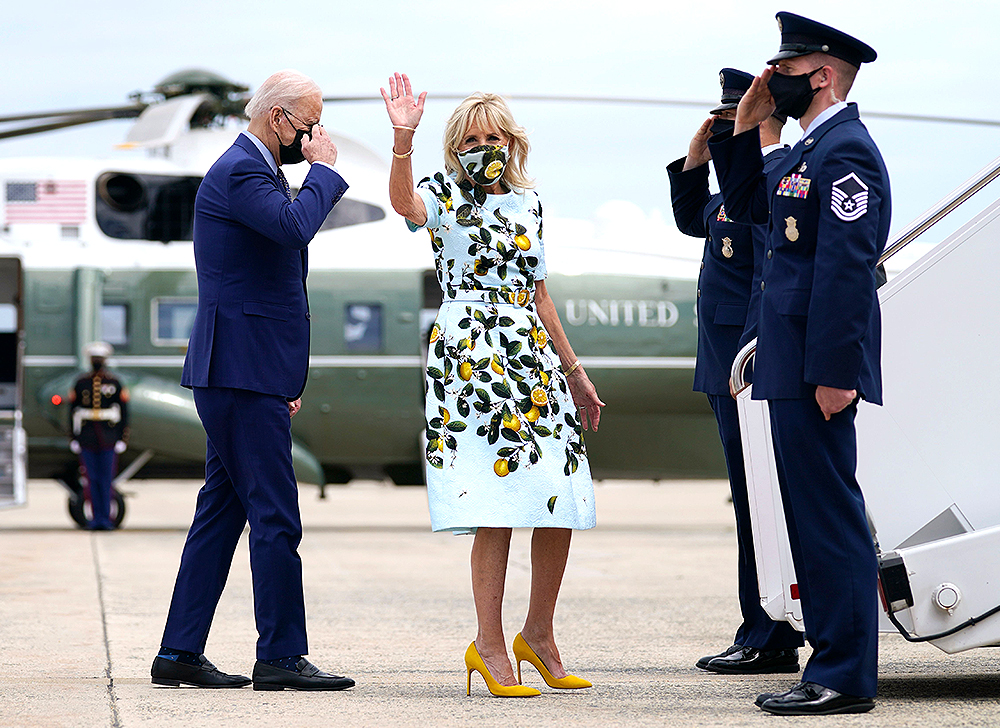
{"type": "Point", "coordinates": [646, 593]}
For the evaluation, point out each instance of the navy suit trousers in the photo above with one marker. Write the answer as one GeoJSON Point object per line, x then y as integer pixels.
{"type": "Point", "coordinates": [248, 478]}
{"type": "Point", "coordinates": [758, 630]}
{"type": "Point", "coordinates": [831, 543]}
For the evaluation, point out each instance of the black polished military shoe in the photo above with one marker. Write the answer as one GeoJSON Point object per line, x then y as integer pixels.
{"type": "Point", "coordinates": [809, 698]}
{"type": "Point", "coordinates": [763, 697]}
{"type": "Point", "coordinates": [205, 675]}
{"type": "Point", "coordinates": [305, 676]}
{"type": "Point", "coordinates": [751, 661]}
{"type": "Point", "coordinates": [708, 658]}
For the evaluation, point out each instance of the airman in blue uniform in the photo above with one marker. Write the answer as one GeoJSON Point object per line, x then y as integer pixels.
{"type": "Point", "coordinates": [733, 252]}
{"type": "Point", "coordinates": [827, 207]}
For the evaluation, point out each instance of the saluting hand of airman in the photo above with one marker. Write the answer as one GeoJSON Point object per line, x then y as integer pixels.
{"type": "Point", "coordinates": [757, 103]}
{"type": "Point", "coordinates": [698, 152]}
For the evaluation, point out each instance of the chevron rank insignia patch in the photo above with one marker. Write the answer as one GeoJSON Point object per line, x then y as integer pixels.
{"type": "Point", "coordinates": [849, 198]}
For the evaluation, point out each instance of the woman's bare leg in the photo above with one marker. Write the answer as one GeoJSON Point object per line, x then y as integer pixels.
{"type": "Point", "coordinates": [489, 572]}
{"type": "Point", "coordinates": [549, 552]}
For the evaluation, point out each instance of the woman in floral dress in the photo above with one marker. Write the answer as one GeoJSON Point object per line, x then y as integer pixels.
{"type": "Point", "coordinates": [507, 400]}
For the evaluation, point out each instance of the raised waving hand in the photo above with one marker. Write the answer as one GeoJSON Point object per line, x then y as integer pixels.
{"type": "Point", "coordinates": [403, 109]}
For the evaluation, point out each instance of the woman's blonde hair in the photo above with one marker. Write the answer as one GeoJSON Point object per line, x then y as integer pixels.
{"type": "Point", "coordinates": [488, 111]}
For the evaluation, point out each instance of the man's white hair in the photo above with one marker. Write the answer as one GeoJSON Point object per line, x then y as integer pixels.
{"type": "Point", "coordinates": [284, 88]}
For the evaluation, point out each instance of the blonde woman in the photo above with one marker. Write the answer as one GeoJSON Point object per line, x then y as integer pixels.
{"type": "Point", "coordinates": [507, 400]}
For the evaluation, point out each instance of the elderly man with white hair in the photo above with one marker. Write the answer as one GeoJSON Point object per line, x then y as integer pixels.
{"type": "Point", "coordinates": [246, 363]}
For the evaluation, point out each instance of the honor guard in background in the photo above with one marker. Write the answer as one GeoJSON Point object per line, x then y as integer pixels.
{"type": "Point", "coordinates": [99, 423]}
{"type": "Point", "coordinates": [733, 252]}
{"type": "Point", "coordinates": [827, 205]}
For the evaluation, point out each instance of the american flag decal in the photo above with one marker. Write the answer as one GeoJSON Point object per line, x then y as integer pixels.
{"type": "Point", "coordinates": [53, 201]}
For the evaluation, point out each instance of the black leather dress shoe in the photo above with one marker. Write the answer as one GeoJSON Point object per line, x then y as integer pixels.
{"type": "Point", "coordinates": [205, 675]}
{"type": "Point", "coordinates": [763, 697]}
{"type": "Point", "coordinates": [305, 676]}
{"type": "Point", "coordinates": [812, 699]}
{"type": "Point", "coordinates": [751, 661]}
{"type": "Point", "coordinates": [708, 658]}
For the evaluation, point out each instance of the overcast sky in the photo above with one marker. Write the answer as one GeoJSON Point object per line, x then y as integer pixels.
{"type": "Point", "coordinates": [933, 59]}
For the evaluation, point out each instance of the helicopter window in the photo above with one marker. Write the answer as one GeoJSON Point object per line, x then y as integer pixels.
{"type": "Point", "coordinates": [352, 212]}
{"type": "Point", "coordinates": [172, 320]}
{"type": "Point", "coordinates": [114, 323]}
{"type": "Point", "coordinates": [363, 327]}
{"type": "Point", "coordinates": [146, 207]}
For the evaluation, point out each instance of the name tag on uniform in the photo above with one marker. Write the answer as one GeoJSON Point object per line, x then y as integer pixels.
{"type": "Point", "coordinates": [794, 185]}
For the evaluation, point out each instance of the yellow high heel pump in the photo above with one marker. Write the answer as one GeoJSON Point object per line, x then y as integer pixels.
{"type": "Point", "coordinates": [474, 662]}
{"type": "Point", "coordinates": [523, 652]}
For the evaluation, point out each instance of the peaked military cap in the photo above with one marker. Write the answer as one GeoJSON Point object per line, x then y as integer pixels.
{"type": "Point", "coordinates": [734, 84]}
{"type": "Point", "coordinates": [99, 349]}
{"type": "Point", "coordinates": [802, 36]}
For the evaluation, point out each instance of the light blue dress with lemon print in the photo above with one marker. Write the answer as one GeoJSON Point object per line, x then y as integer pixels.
{"type": "Point", "coordinates": [504, 439]}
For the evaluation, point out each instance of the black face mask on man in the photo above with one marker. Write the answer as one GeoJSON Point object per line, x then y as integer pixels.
{"type": "Point", "coordinates": [721, 126]}
{"type": "Point", "coordinates": [292, 153]}
{"type": "Point", "coordinates": [792, 94]}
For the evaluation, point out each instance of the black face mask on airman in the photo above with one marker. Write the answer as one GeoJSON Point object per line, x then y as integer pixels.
{"type": "Point", "coordinates": [792, 94]}
{"type": "Point", "coordinates": [721, 126]}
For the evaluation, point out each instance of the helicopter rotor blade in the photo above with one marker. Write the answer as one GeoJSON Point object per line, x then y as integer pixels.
{"type": "Point", "coordinates": [103, 112]}
{"type": "Point", "coordinates": [68, 121]}
{"type": "Point", "coordinates": [637, 101]}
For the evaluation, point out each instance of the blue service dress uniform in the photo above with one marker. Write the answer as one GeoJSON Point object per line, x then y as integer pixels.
{"type": "Point", "coordinates": [827, 207]}
{"type": "Point", "coordinates": [98, 421]}
{"type": "Point", "coordinates": [730, 263]}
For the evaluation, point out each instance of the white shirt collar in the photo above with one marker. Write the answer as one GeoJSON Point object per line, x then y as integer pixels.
{"type": "Point", "coordinates": [268, 157]}
{"type": "Point", "coordinates": [825, 115]}
{"type": "Point", "coordinates": [764, 151]}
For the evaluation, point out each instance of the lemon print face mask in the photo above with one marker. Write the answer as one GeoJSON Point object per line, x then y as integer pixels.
{"type": "Point", "coordinates": [484, 164]}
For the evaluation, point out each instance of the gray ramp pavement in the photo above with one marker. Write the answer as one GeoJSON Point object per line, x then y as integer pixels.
{"type": "Point", "coordinates": [646, 593]}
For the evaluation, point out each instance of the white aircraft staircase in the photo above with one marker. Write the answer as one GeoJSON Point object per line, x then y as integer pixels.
{"type": "Point", "coordinates": [928, 460]}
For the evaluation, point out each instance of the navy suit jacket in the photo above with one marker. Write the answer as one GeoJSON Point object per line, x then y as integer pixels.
{"type": "Point", "coordinates": [726, 310]}
{"type": "Point", "coordinates": [827, 206]}
{"type": "Point", "coordinates": [252, 326]}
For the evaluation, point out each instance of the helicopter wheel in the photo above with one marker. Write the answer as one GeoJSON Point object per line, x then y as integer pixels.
{"type": "Point", "coordinates": [79, 509]}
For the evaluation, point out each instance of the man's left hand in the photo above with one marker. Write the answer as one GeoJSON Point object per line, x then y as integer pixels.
{"type": "Point", "coordinates": [295, 406]}
{"type": "Point", "coordinates": [832, 400]}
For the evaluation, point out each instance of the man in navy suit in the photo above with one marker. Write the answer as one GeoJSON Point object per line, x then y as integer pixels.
{"type": "Point", "coordinates": [827, 205]}
{"type": "Point", "coordinates": [731, 261]}
{"type": "Point", "coordinates": [247, 362]}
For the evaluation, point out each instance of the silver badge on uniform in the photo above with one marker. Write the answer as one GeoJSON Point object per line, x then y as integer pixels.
{"type": "Point", "coordinates": [849, 198]}
{"type": "Point", "coordinates": [727, 247]}
{"type": "Point", "coordinates": [791, 231]}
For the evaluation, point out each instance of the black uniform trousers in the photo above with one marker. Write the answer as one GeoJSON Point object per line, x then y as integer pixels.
{"type": "Point", "coordinates": [831, 543]}
{"type": "Point", "coordinates": [758, 629]}
{"type": "Point", "coordinates": [248, 477]}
